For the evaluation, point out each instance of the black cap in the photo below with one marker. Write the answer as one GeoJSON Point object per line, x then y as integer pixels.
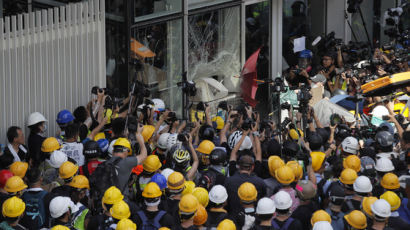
{"type": "Point", "coordinates": [92, 149]}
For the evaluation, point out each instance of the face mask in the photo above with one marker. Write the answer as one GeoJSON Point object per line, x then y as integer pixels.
{"type": "Point", "coordinates": [44, 128]}
{"type": "Point", "coordinates": [249, 210]}
{"type": "Point", "coordinates": [151, 204]}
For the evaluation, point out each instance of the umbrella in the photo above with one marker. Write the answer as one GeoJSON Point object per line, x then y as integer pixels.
{"type": "Point", "coordinates": [346, 102]}
{"type": "Point", "coordinates": [249, 75]}
{"type": "Point", "coordinates": [324, 108]}
{"type": "Point", "coordinates": [141, 50]}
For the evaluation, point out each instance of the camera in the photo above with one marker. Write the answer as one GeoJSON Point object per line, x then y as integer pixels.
{"type": "Point", "coordinates": [335, 119]}
{"type": "Point", "coordinates": [284, 123]}
{"type": "Point", "coordinates": [95, 90]}
{"type": "Point", "coordinates": [247, 124]}
{"type": "Point", "coordinates": [285, 106]}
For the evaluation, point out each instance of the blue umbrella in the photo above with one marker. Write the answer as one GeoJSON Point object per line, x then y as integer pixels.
{"type": "Point", "coordinates": [343, 101]}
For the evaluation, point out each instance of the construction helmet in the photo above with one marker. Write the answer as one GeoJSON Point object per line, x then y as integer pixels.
{"type": "Point", "coordinates": [162, 141]}
{"type": "Point", "coordinates": [201, 195]}
{"type": "Point", "coordinates": [104, 145]}
{"type": "Point", "coordinates": [147, 132]}
{"type": "Point", "coordinates": [176, 181]}
{"type": "Point", "coordinates": [60, 205]}
{"type": "Point", "coordinates": [247, 192]}
{"type": "Point", "coordinates": [322, 225]}
{"type": "Point", "coordinates": [120, 210]}
{"type": "Point", "coordinates": [218, 194]}
{"type": "Point", "coordinates": [151, 164]}
{"type": "Point", "coordinates": [284, 175]}
{"type": "Point", "coordinates": [384, 164]}
{"type": "Point", "coordinates": [305, 190]}
{"type": "Point", "coordinates": [317, 160]}
{"type": "Point", "coordinates": [384, 138]}
{"type": "Point", "coordinates": [125, 143]}
{"type": "Point", "coordinates": [362, 185]}
{"type": "Point", "coordinates": [218, 156]}
{"type": "Point", "coordinates": [50, 144]}
{"type": "Point", "coordinates": [64, 117]}
{"type": "Point", "coordinates": [166, 172]}
{"type": "Point", "coordinates": [226, 224]}
{"type": "Point", "coordinates": [67, 170]}
{"type": "Point", "coordinates": [348, 176]}
{"type": "Point", "coordinates": [234, 138]}
{"type": "Point", "coordinates": [99, 136]}
{"type": "Point", "coordinates": [172, 140]}
{"type": "Point", "coordinates": [350, 145]}
{"type": "Point", "coordinates": [274, 162]}
{"type": "Point", "coordinates": [294, 134]}
{"type": "Point", "coordinates": [181, 155]}
{"type": "Point", "coordinates": [80, 182]}
{"type": "Point", "coordinates": [57, 158]}
{"type": "Point", "coordinates": [282, 200]}
{"type": "Point", "coordinates": [393, 200]}
{"type": "Point", "coordinates": [13, 207]}
{"type": "Point", "coordinates": [201, 216]}
{"type": "Point", "coordinates": [189, 187]}
{"type": "Point", "coordinates": [352, 162]}
{"type": "Point", "coordinates": [164, 228]}
{"type": "Point", "coordinates": [112, 195]}
{"type": "Point", "coordinates": [218, 123]}
{"type": "Point", "coordinates": [4, 176]}
{"type": "Point", "coordinates": [205, 147]}
{"type": "Point", "coordinates": [390, 181]}
{"type": "Point", "coordinates": [265, 206]}
{"type": "Point", "coordinates": [15, 184]}
{"type": "Point", "coordinates": [381, 208]}
{"type": "Point", "coordinates": [188, 204]}
{"type": "Point", "coordinates": [296, 168]}
{"type": "Point", "coordinates": [160, 180]}
{"type": "Point", "coordinates": [151, 190]}
{"type": "Point", "coordinates": [126, 224]}
{"type": "Point", "coordinates": [60, 227]}
{"type": "Point", "coordinates": [356, 219]}
{"type": "Point", "coordinates": [19, 168]}
{"type": "Point", "coordinates": [35, 118]}
{"type": "Point", "coordinates": [91, 149]}
{"type": "Point", "coordinates": [366, 204]}
{"type": "Point", "coordinates": [320, 215]}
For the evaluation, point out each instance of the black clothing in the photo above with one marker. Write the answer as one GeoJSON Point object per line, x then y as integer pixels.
{"type": "Point", "coordinates": [350, 205]}
{"type": "Point", "coordinates": [166, 221]}
{"type": "Point", "coordinates": [99, 220]}
{"type": "Point", "coordinates": [24, 156]}
{"type": "Point", "coordinates": [172, 209]}
{"type": "Point", "coordinates": [304, 212]}
{"type": "Point", "coordinates": [398, 223]}
{"type": "Point", "coordinates": [63, 190]}
{"type": "Point", "coordinates": [34, 148]}
{"type": "Point", "coordinates": [295, 225]}
{"type": "Point", "coordinates": [215, 217]}
{"type": "Point", "coordinates": [258, 227]}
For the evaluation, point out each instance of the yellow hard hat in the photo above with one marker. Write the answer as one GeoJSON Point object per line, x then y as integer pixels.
{"type": "Point", "coordinates": [348, 176]}
{"type": "Point", "coordinates": [274, 162]}
{"type": "Point", "coordinates": [14, 184]}
{"type": "Point", "coordinates": [67, 170]}
{"type": "Point", "coordinates": [400, 106]}
{"type": "Point", "coordinates": [189, 187]}
{"type": "Point", "coordinates": [151, 164]}
{"type": "Point", "coordinates": [320, 215]}
{"type": "Point", "coordinates": [284, 175]}
{"type": "Point", "coordinates": [60, 227]}
{"type": "Point", "coordinates": [294, 134]}
{"type": "Point", "coordinates": [188, 204]}
{"type": "Point", "coordinates": [226, 224]}
{"type": "Point", "coordinates": [112, 195]}
{"type": "Point", "coordinates": [352, 162]}
{"type": "Point", "coordinates": [205, 147]}
{"type": "Point", "coordinates": [19, 168]}
{"type": "Point", "coordinates": [367, 203]}
{"type": "Point", "coordinates": [296, 168]}
{"type": "Point", "coordinates": [219, 122]}
{"type": "Point", "coordinates": [393, 199]}
{"type": "Point", "coordinates": [147, 132]}
{"type": "Point", "coordinates": [390, 181]}
{"type": "Point", "coordinates": [201, 216]}
{"type": "Point", "coordinates": [124, 142]}
{"type": "Point", "coordinates": [13, 207]}
{"type": "Point", "coordinates": [201, 195]}
{"type": "Point", "coordinates": [80, 182]}
{"type": "Point", "coordinates": [164, 228]}
{"type": "Point", "coordinates": [120, 210]}
{"type": "Point", "coordinates": [99, 136]}
{"type": "Point", "coordinates": [175, 181]}
{"type": "Point", "coordinates": [50, 144]}
{"type": "Point", "coordinates": [126, 224]}
{"type": "Point", "coordinates": [317, 160]}
{"type": "Point", "coordinates": [356, 219]}
{"type": "Point", "coordinates": [151, 190]}
{"type": "Point", "coordinates": [247, 192]}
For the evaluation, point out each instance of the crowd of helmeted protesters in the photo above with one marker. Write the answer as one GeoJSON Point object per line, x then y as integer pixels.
{"type": "Point", "coordinates": [231, 170]}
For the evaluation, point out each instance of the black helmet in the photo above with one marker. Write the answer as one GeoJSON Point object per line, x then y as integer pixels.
{"type": "Point", "coordinates": [342, 132]}
{"type": "Point", "coordinates": [290, 148]}
{"type": "Point", "coordinates": [206, 132]}
{"type": "Point", "coordinates": [218, 156]}
{"type": "Point", "coordinates": [384, 139]}
{"type": "Point", "coordinates": [336, 194]}
{"type": "Point", "coordinates": [315, 141]}
{"type": "Point", "coordinates": [92, 149]}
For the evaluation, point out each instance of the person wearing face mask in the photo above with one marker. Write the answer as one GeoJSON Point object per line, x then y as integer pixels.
{"type": "Point", "coordinates": [152, 215]}
{"type": "Point", "coordinates": [36, 122]}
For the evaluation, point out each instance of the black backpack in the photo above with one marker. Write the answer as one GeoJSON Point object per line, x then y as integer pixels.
{"type": "Point", "coordinates": [151, 224]}
{"type": "Point", "coordinates": [35, 209]}
{"type": "Point", "coordinates": [104, 176]}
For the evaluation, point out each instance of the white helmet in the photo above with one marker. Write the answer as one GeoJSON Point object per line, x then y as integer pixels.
{"type": "Point", "coordinates": [350, 145]}
{"type": "Point", "coordinates": [159, 104]}
{"type": "Point", "coordinates": [381, 208]}
{"type": "Point", "coordinates": [35, 118]}
{"type": "Point", "coordinates": [282, 200]}
{"type": "Point", "coordinates": [57, 158]}
{"type": "Point", "coordinates": [166, 172]}
{"type": "Point", "coordinates": [218, 194]}
{"type": "Point", "coordinates": [362, 184]}
{"type": "Point", "coordinates": [246, 144]}
{"type": "Point", "coordinates": [322, 225]}
{"type": "Point", "coordinates": [380, 111]}
{"type": "Point", "coordinates": [172, 140]}
{"type": "Point", "coordinates": [234, 138]}
{"type": "Point", "coordinates": [265, 206]}
{"type": "Point", "coordinates": [60, 205]}
{"type": "Point", "coordinates": [163, 141]}
{"type": "Point", "coordinates": [384, 164]}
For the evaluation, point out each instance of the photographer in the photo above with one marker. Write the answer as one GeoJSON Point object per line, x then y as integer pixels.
{"type": "Point", "coordinates": [301, 72]}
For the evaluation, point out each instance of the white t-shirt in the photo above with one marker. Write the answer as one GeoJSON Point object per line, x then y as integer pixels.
{"type": "Point", "coordinates": [74, 151]}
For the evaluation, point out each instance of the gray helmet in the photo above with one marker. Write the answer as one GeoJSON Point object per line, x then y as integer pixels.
{"type": "Point", "coordinates": [339, 92]}
{"type": "Point", "coordinates": [384, 139]}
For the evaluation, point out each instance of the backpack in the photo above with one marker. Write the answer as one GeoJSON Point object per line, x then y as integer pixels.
{"type": "Point", "coordinates": [104, 176]}
{"type": "Point", "coordinates": [35, 209]}
{"type": "Point", "coordinates": [288, 222]}
{"type": "Point", "coordinates": [151, 224]}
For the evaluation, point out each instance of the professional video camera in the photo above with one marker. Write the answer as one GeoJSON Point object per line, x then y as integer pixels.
{"type": "Point", "coordinates": [327, 43]}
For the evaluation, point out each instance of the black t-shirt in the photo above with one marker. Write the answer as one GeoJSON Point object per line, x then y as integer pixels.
{"type": "Point", "coordinates": [172, 209]}
{"type": "Point", "coordinates": [295, 225]}
{"type": "Point", "coordinates": [398, 223]}
{"type": "Point", "coordinates": [304, 212]}
{"type": "Point", "coordinates": [34, 148]}
{"type": "Point", "coordinates": [166, 221]}
{"type": "Point", "coordinates": [63, 190]}
{"type": "Point", "coordinates": [99, 220]}
{"type": "Point", "coordinates": [350, 205]}
{"type": "Point", "coordinates": [215, 217]}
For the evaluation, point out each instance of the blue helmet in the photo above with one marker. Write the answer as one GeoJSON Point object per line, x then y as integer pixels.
{"type": "Point", "coordinates": [64, 117]}
{"type": "Point", "coordinates": [305, 54]}
{"type": "Point", "coordinates": [104, 144]}
{"type": "Point", "coordinates": [160, 180]}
